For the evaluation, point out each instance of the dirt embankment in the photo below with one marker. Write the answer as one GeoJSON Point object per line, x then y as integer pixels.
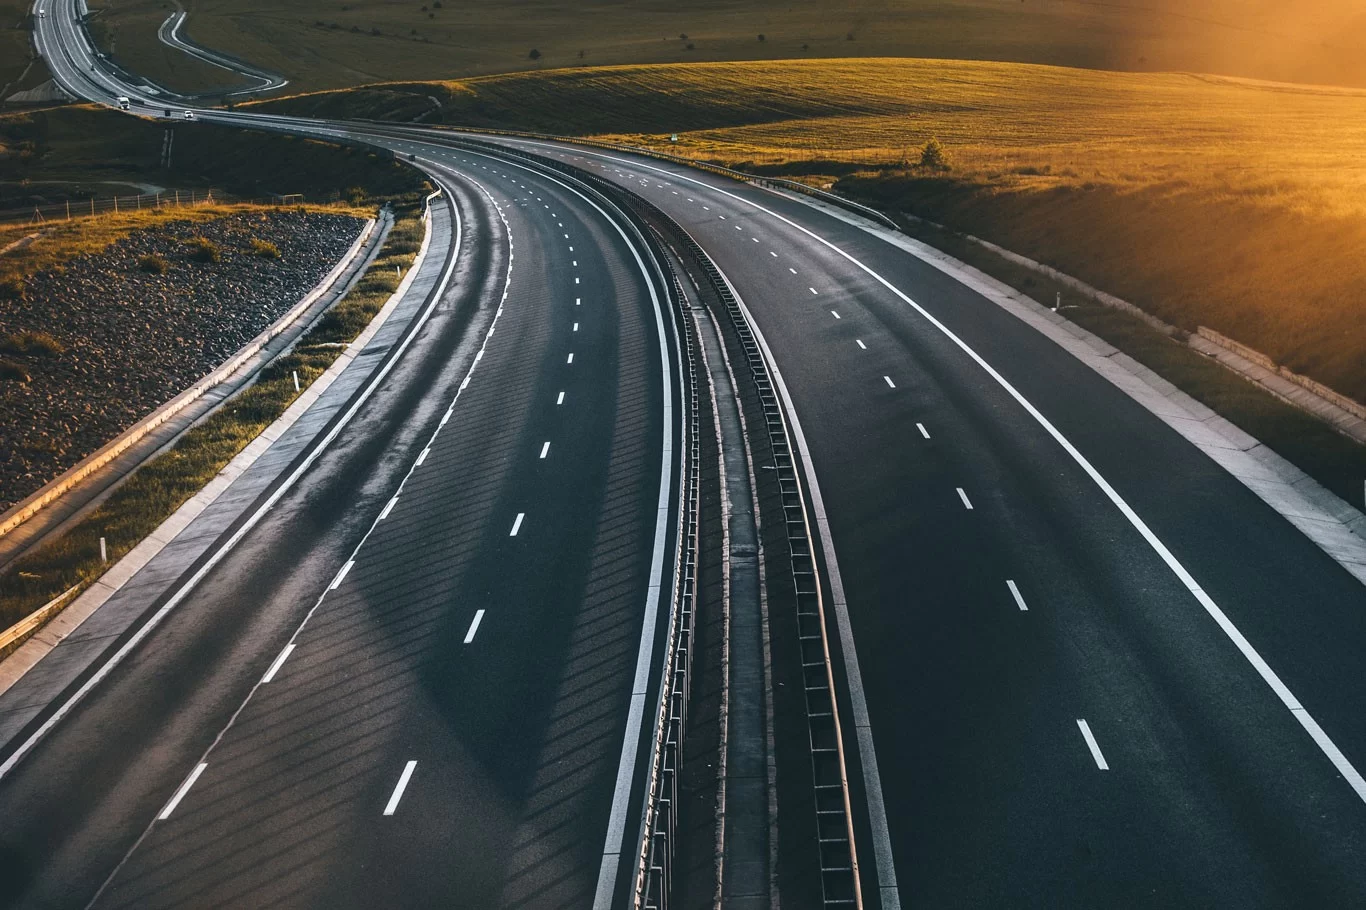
{"type": "Point", "coordinates": [95, 345]}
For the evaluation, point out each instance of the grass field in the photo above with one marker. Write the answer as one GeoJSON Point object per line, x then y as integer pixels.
{"type": "Point", "coordinates": [326, 43]}
{"type": "Point", "coordinates": [1207, 200]}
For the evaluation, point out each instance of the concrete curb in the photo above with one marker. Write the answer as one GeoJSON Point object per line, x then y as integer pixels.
{"type": "Point", "coordinates": [68, 620]}
{"type": "Point", "coordinates": [57, 488]}
{"type": "Point", "coordinates": [1333, 525]}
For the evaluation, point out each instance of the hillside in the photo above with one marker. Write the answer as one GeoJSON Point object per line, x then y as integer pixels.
{"type": "Point", "coordinates": [326, 44]}
{"type": "Point", "coordinates": [1207, 200]}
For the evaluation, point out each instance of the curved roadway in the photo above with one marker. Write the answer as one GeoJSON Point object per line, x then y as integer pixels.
{"type": "Point", "coordinates": [1093, 668]}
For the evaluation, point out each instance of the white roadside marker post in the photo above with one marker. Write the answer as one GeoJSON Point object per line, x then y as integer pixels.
{"type": "Point", "coordinates": [104, 551]}
{"type": "Point", "coordinates": [296, 379]}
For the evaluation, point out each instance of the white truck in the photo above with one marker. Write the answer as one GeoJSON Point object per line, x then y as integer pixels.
{"type": "Point", "coordinates": [123, 102]}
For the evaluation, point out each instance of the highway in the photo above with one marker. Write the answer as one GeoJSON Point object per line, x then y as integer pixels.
{"type": "Point", "coordinates": [1081, 663]}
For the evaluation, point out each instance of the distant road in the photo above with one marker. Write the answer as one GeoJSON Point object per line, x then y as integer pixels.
{"type": "Point", "coordinates": [1096, 669]}
{"type": "Point", "coordinates": [169, 34]}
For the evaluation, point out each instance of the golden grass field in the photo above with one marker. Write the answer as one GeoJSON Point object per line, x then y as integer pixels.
{"type": "Point", "coordinates": [328, 44]}
{"type": "Point", "coordinates": [1208, 200]}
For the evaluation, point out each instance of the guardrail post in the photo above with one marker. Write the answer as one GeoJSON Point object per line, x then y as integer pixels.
{"type": "Point", "coordinates": [104, 551]}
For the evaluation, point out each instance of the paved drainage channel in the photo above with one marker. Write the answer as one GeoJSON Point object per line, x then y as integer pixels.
{"type": "Point", "coordinates": [745, 869]}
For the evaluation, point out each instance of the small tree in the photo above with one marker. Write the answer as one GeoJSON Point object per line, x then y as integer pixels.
{"type": "Point", "coordinates": [762, 37]}
{"type": "Point", "coordinates": [933, 157]}
{"type": "Point", "coordinates": [535, 54]}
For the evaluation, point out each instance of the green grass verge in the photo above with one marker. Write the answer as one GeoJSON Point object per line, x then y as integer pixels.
{"type": "Point", "coordinates": [1310, 444]}
{"type": "Point", "coordinates": [161, 486]}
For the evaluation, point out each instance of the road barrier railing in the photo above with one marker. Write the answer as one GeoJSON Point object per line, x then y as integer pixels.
{"type": "Point", "coordinates": [140, 202]}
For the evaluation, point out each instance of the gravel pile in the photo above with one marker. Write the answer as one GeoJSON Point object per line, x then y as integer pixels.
{"type": "Point", "coordinates": [132, 339]}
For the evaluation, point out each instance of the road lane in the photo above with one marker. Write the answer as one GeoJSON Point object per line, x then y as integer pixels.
{"type": "Point", "coordinates": [1224, 798]}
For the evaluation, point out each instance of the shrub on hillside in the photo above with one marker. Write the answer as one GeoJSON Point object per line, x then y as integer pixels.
{"type": "Point", "coordinates": [153, 264]}
{"type": "Point", "coordinates": [264, 248]}
{"type": "Point", "coordinates": [12, 287]}
{"type": "Point", "coordinates": [933, 157]}
{"type": "Point", "coordinates": [32, 344]}
{"type": "Point", "coordinates": [202, 249]}
{"type": "Point", "coordinates": [12, 372]}
{"type": "Point", "coordinates": [535, 54]}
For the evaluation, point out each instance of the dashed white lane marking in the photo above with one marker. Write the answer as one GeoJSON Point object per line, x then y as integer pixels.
{"type": "Point", "coordinates": [388, 507]}
{"type": "Point", "coordinates": [859, 342]}
{"type": "Point", "coordinates": [923, 432]}
{"type": "Point", "coordinates": [423, 457]}
{"type": "Point", "coordinates": [278, 663]}
{"type": "Point", "coordinates": [578, 301]}
{"type": "Point", "coordinates": [722, 217]}
{"type": "Point", "coordinates": [813, 291]}
{"type": "Point", "coordinates": [576, 326]}
{"type": "Point", "coordinates": [517, 524]}
{"type": "Point", "coordinates": [792, 270]}
{"type": "Point", "coordinates": [1015, 593]}
{"type": "Point", "coordinates": [755, 239]}
{"type": "Point", "coordinates": [707, 208]}
{"type": "Point", "coordinates": [888, 380]}
{"type": "Point", "coordinates": [407, 775]}
{"type": "Point", "coordinates": [1092, 744]}
{"type": "Point", "coordinates": [342, 574]}
{"type": "Point", "coordinates": [574, 263]}
{"type": "Point", "coordinates": [571, 359]}
{"type": "Point", "coordinates": [835, 314]}
{"type": "Point", "coordinates": [566, 236]}
{"type": "Point", "coordinates": [180, 793]}
{"type": "Point", "coordinates": [967, 503]}
{"type": "Point", "coordinates": [576, 279]}
{"type": "Point", "coordinates": [739, 228]}
{"type": "Point", "coordinates": [773, 254]}
{"type": "Point", "coordinates": [560, 399]}
{"type": "Point", "coordinates": [474, 626]}
{"type": "Point", "coordinates": [571, 248]}
{"type": "Point", "coordinates": [545, 449]}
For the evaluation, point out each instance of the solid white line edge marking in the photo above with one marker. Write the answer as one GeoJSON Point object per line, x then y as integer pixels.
{"type": "Point", "coordinates": [392, 806]}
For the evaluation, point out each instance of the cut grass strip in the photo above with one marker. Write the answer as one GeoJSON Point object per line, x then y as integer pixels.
{"type": "Point", "coordinates": [154, 492]}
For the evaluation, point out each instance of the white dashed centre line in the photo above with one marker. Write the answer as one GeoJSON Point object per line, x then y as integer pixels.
{"type": "Point", "coordinates": [967, 503]}
{"type": "Point", "coordinates": [835, 314]}
{"type": "Point", "coordinates": [1092, 744]}
{"type": "Point", "coordinates": [474, 626]}
{"type": "Point", "coordinates": [1015, 593]}
{"type": "Point", "coordinates": [813, 291]}
{"type": "Point", "coordinates": [560, 399]}
{"type": "Point", "coordinates": [888, 380]}
{"type": "Point", "coordinates": [278, 663]}
{"type": "Point", "coordinates": [517, 524]}
{"type": "Point", "coordinates": [773, 254]}
{"type": "Point", "coordinates": [342, 574]}
{"type": "Point", "coordinates": [571, 358]}
{"type": "Point", "coordinates": [859, 342]}
{"type": "Point", "coordinates": [545, 450]}
{"type": "Point", "coordinates": [923, 432]}
{"type": "Point", "coordinates": [407, 775]}
{"type": "Point", "coordinates": [180, 793]}
{"type": "Point", "coordinates": [792, 270]}
{"type": "Point", "coordinates": [576, 326]}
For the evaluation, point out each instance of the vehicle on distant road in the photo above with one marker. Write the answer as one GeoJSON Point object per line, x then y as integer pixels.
{"type": "Point", "coordinates": [189, 115]}
{"type": "Point", "coordinates": [123, 102]}
{"type": "Point", "coordinates": [42, 14]}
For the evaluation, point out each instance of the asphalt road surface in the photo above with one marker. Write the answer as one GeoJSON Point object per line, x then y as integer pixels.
{"type": "Point", "coordinates": [1091, 661]}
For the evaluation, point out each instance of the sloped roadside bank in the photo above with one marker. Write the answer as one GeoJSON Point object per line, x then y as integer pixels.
{"type": "Point", "coordinates": [161, 486]}
{"type": "Point", "coordinates": [98, 344]}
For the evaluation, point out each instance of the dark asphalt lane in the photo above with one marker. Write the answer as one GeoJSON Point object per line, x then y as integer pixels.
{"type": "Point", "coordinates": [1214, 793]}
{"type": "Point", "coordinates": [516, 734]}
